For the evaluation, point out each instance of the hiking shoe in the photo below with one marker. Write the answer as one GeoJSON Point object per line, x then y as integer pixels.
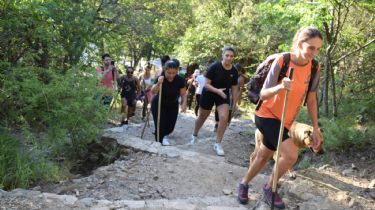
{"type": "Point", "coordinates": [124, 122]}
{"type": "Point", "coordinates": [268, 197]}
{"type": "Point", "coordinates": [165, 141]}
{"type": "Point", "coordinates": [194, 140]}
{"type": "Point", "coordinates": [218, 149]}
{"type": "Point", "coordinates": [243, 190]}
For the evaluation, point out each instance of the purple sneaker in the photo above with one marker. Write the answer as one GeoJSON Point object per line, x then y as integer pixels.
{"type": "Point", "coordinates": [268, 197]}
{"type": "Point", "coordinates": [243, 193]}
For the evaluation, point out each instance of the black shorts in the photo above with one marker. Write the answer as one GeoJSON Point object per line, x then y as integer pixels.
{"type": "Point", "coordinates": [130, 101]}
{"type": "Point", "coordinates": [270, 129]}
{"type": "Point", "coordinates": [208, 99]}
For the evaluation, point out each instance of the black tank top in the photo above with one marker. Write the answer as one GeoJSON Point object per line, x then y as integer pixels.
{"type": "Point", "coordinates": [128, 88]}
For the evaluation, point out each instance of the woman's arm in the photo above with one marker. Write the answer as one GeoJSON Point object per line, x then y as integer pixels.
{"type": "Point", "coordinates": [212, 89]}
{"type": "Point", "coordinates": [312, 108]}
{"type": "Point", "coordinates": [184, 99]}
{"type": "Point", "coordinates": [155, 88]}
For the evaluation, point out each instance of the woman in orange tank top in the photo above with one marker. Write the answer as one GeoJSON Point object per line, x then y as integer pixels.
{"type": "Point", "coordinates": [306, 45]}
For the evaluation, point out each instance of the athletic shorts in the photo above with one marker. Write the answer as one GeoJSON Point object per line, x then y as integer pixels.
{"type": "Point", "coordinates": [270, 129]}
{"type": "Point", "coordinates": [129, 101]}
{"type": "Point", "coordinates": [209, 99]}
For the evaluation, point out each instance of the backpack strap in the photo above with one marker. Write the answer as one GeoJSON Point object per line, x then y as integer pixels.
{"type": "Point", "coordinates": [314, 70]}
{"type": "Point", "coordinates": [282, 74]}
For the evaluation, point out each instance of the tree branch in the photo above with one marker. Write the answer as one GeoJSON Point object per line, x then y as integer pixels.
{"type": "Point", "coordinates": [352, 52]}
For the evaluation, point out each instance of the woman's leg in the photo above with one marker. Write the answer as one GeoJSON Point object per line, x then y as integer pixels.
{"type": "Point", "coordinates": [288, 157]}
{"type": "Point", "coordinates": [223, 112]}
{"type": "Point", "coordinates": [202, 116]}
{"type": "Point", "coordinates": [171, 118]}
{"type": "Point", "coordinates": [197, 98]}
{"type": "Point", "coordinates": [261, 158]}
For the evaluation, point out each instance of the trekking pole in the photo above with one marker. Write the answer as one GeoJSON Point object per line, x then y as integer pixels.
{"type": "Point", "coordinates": [147, 118]}
{"type": "Point", "coordinates": [281, 132]}
{"type": "Point", "coordinates": [159, 107]}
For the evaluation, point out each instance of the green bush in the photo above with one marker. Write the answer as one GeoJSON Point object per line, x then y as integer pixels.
{"type": "Point", "coordinates": [20, 167]}
{"type": "Point", "coordinates": [344, 132]}
{"type": "Point", "coordinates": [57, 113]}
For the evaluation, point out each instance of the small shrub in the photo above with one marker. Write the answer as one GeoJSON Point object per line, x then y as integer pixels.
{"type": "Point", "coordinates": [20, 167]}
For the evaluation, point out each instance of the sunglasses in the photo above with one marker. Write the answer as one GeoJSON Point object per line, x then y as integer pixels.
{"type": "Point", "coordinates": [129, 72]}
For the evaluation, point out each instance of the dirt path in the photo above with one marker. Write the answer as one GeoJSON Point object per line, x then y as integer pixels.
{"type": "Point", "coordinates": [150, 176]}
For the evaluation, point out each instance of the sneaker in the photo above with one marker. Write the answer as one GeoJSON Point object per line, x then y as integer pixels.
{"type": "Point", "coordinates": [124, 122]}
{"type": "Point", "coordinates": [268, 197]}
{"type": "Point", "coordinates": [243, 191]}
{"type": "Point", "coordinates": [194, 139]}
{"type": "Point", "coordinates": [218, 149]}
{"type": "Point", "coordinates": [165, 141]}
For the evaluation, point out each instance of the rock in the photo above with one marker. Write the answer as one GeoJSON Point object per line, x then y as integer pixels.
{"type": "Point", "coordinates": [363, 158]}
{"type": "Point", "coordinates": [323, 167]}
{"type": "Point", "coordinates": [155, 178]}
{"type": "Point", "coordinates": [363, 173]}
{"type": "Point", "coordinates": [227, 192]}
{"type": "Point", "coordinates": [37, 188]}
{"type": "Point", "coordinates": [141, 190]}
{"type": "Point", "coordinates": [87, 201]}
{"type": "Point", "coordinates": [372, 184]}
{"type": "Point", "coordinates": [342, 196]}
{"type": "Point", "coordinates": [132, 204]}
{"type": "Point", "coordinates": [347, 172]}
{"type": "Point", "coordinates": [352, 203]}
{"type": "Point", "coordinates": [66, 199]}
{"type": "Point", "coordinates": [372, 194]}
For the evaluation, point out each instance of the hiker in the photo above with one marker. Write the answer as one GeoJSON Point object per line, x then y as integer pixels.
{"type": "Point", "coordinates": [241, 81]}
{"type": "Point", "coordinates": [107, 74]}
{"type": "Point", "coordinates": [220, 77]}
{"type": "Point", "coordinates": [173, 86]}
{"type": "Point", "coordinates": [130, 88]}
{"type": "Point", "coordinates": [146, 84]}
{"type": "Point", "coordinates": [191, 88]}
{"type": "Point", "coordinates": [200, 80]}
{"type": "Point", "coordinates": [306, 45]}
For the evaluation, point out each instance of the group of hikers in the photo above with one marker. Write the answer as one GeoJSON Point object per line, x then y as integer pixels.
{"type": "Point", "coordinates": [221, 85]}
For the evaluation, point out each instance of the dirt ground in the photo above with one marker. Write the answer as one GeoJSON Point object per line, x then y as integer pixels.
{"type": "Point", "coordinates": [185, 176]}
{"type": "Point", "coordinates": [338, 172]}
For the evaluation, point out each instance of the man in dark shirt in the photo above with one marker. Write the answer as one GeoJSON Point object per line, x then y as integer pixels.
{"type": "Point", "coordinates": [130, 88]}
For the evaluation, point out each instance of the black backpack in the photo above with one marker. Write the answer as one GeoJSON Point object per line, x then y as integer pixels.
{"type": "Point", "coordinates": [254, 86]}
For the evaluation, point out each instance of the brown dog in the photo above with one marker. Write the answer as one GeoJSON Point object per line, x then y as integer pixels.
{"type": "Point", "coordinates": [302, 137]}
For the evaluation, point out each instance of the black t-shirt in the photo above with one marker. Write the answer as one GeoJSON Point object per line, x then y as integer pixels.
{"type": "Point", "coordinates": [220, 77]}
{"type": "Point", "coordinates": [171, 90]}
{"type": "Point", "coordinates": [128, 88]}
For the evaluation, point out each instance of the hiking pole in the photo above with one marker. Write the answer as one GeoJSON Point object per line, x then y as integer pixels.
{"type": "Point", "coordinates": [281, 132]}
{"type": "Point", "coordinates": [159, 107]}
{"type": "Point", "coordinates": [147, 123]}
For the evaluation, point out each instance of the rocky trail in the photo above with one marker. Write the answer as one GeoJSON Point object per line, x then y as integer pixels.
{"type": "Point", "coordinates": [149, 176]}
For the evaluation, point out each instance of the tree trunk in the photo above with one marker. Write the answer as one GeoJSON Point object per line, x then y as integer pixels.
{"type": "Point", "coordinates": [333, 90]}
{"type": "Point", "coordinates": [326, 86]}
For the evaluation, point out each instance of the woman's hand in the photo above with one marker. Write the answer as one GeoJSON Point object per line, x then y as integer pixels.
{"type": "Point", "coordinates": [286, 84]}
{"type": "Point", "coordinates": [221, 93]}
{"type": "Point", "coordinates": [160, 80]}
{"type": "Point", "coordinates": [183, 108]}
{"type": "Point", "coordinates": [317, 140]}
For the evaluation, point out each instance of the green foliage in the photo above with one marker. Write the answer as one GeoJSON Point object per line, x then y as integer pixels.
{"type": "Point", "coordinates": [20, 167]}
{"type": "Point", "coordinates": [345, 133]}
{"type": "Point", "coordinates": [55, 113]}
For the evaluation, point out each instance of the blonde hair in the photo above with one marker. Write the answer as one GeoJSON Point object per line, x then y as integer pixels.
{"type": "Point", "coordinates": [303, 35]}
